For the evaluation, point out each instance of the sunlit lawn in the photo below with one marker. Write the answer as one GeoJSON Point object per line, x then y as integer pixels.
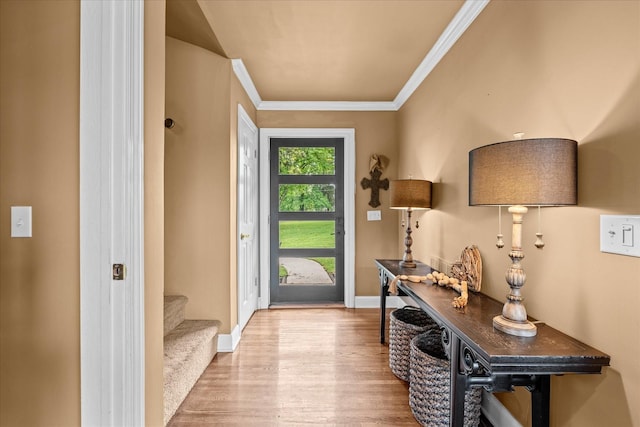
{"type": "Point", "coordinates": [309, 234]}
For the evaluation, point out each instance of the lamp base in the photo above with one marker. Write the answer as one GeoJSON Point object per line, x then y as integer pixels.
{"type": "Point", "coordinates": [407, 258]}
{"type": "Point", "coordinates": [511, 327]}
{"type": "Point", "coordinates": [407, 264]}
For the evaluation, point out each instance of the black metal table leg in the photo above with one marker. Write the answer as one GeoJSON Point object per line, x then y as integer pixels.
{"type": "Point", "coordinates": [540, 395]}
{"type": "Point", "coordinates": [458, 384]}
{"type": "Point", "coordinates": [384, 290]}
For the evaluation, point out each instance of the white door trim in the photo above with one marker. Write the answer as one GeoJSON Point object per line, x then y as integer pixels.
{"type": "Point", "coordinates": [111, 212]}
{"type": "Point", "coordinates": [349, 203]}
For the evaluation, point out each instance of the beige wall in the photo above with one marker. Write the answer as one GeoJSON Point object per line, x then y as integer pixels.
{"type": "Point", "coordinates": [39, 140]}
{"type": "Point", "coordinates": [200, 181]}
{"type": "Point", "coordinates": [197, 181]}
{"type": "Point", "coordinates": [154, 51]}
{"type": "Point", "coordinates": [39, 157]}
{"type": "Point", "coordinates": [559, 69]}
{"type": "Point", "coordinates": [375, 133]}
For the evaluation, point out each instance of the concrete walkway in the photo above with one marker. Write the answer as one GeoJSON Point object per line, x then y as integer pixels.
{"type": "Point", "coordinates": [304, 271]}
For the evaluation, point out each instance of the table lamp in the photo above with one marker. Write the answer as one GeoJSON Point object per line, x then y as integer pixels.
{"type": "Point", "coordinates": [409, 195]}
{"type": "Point", "coordinates": [520, 173]}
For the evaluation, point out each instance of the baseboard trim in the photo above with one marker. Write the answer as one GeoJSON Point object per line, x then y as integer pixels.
{"type": "Point", "coordinates": [374, 302]}
{"type": "Point", "coordinates": [496, 413]}
{"type": "Point", "coordinates": [405, 300]}
{"type": "Point", "coordinates": [227, 343]}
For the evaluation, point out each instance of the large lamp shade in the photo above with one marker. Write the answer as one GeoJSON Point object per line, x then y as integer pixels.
{"type": "Point", "coordinates": [527, 172]}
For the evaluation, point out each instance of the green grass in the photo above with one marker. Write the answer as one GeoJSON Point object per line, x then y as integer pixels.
{"type": "Point", "coordinates": [309, 234]}
{"type": "Point", "coordinates": [282, 272]}
{"type": "Point", "coordinates": [329, 264]}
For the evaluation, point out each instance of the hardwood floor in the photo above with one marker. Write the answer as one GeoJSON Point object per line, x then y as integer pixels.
{"type": "Point", "coordinates": [321, 366]}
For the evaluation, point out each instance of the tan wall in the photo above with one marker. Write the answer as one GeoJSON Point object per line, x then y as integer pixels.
{"type": "Point", "coordinates": [39, 157]}
{"type": "Point", "coordinates": [375, 133]}
{"type": "Point", "coordinates": [559, 69]}
{"type": "Point", "coordinates": [154, 50]}
{"type": "Point", "coordinates": [40, 312]}
{"type": "Point", "coordinates": [197, 176]}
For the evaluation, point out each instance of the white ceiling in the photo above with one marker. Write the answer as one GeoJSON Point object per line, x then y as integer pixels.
{"type": "Point", "coordinates": [325, 54]}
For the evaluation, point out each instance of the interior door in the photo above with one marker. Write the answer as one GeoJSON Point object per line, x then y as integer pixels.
{"type": "Point", "coordinates": [248, 249]}
{"type": "Point", "coordinates": [306, 220]}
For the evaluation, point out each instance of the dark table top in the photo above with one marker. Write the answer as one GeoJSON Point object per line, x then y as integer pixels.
{"type": "Point", "coordinates": [549, 352]}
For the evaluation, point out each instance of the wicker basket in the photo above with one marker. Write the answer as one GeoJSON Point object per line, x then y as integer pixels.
{"type": "Point", "coordinates": [405, 324]}
{"type": "Point", "coordinates": [429, 386]}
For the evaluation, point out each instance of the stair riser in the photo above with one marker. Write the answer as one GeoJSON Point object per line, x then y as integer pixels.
{"type": "Point", "coordinates": [174, 306]}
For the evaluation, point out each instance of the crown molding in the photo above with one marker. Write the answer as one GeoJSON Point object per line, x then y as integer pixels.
{"type": "Point", "coordinates": [326, 106]}
{"type": "Point", "coordinates": [245, 80]}
{"type": "Point", "coordinates": [458, 25]}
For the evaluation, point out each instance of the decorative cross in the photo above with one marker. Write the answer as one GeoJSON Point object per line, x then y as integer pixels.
{"type": "Point", "coordinates": [375, 183]}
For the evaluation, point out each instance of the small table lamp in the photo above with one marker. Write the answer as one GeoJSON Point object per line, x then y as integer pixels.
{"type": "Point", "coordinates": [409, 195]}
{"type": "Point", "coordinates": [520, 173]}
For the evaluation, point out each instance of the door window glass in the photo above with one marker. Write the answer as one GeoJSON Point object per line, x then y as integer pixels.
{"type": "Point", "coordinates": [307, 198]}
{"type": "Point", "coordinates": [307, 161]}
{"type": "Point", "coordinates": [307, 234]}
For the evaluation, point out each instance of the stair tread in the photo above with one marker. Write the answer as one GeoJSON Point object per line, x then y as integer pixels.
{"type": "Point", "coordinates": [181, 341]}
{"type": "Point", "coordinates": [188, 349]}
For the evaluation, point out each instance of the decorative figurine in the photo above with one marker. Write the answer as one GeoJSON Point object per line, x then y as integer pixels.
{"type": "Point", "coordinates": [466, 276]}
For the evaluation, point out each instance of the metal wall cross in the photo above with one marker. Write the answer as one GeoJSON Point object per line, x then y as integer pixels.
{"type": "Point", "coordinates": [375, 183]}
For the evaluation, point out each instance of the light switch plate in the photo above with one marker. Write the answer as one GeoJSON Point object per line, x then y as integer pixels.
{"type": "Point", "coordinates": [620, 234]}
{"type": "Point", "coordinates": [20, 221]}
{"type": "Point", "coordinates": [374, 215]}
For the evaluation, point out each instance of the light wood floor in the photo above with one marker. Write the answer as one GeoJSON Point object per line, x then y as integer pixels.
{"type": "Point", "coordinates": [321, 366]}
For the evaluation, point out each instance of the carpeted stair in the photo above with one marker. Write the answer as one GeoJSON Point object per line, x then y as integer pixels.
{"type": "Point", "coordinates": [189, 347]}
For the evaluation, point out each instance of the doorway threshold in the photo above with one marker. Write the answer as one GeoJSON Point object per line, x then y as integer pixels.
{"type": "Point", "coordinates": [284, 306]}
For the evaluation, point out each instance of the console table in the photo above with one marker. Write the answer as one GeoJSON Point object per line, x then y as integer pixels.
{"type": "Point", "coordinates": [482, 356]}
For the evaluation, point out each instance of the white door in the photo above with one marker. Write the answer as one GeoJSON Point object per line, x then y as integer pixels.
{"type": "Point", "coordinates": [248, 249]}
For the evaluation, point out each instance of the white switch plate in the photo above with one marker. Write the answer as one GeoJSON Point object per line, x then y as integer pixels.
{"type": "Point", "coordinates": [374, 215]}
{"type": "Point", "coordinates": [20, 221]}
{"type": "Point", "coordinates": [620, 234]}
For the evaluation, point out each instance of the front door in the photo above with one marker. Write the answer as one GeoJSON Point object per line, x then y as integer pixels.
{"type": "Point", "coordinates": [306, 220]}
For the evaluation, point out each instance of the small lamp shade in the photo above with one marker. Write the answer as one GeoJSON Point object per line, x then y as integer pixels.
{"type": "Point", "coordinates": [412, 194]}
{"type": "Point", "coordinates": [527, 172]}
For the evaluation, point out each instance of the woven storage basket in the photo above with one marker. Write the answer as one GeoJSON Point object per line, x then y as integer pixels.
{"type": "Point", "coordinates": [406, 323]}
{"type": "Point", "coordinates": [429, 385]}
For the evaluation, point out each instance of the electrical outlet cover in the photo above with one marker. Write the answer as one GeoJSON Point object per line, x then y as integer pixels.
{"type": "Point", "coordinates": [620, 234]}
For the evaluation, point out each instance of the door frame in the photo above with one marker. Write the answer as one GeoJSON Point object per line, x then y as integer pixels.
{"type": "Point", "coordinates": [112, 364]}
{"type": "Point", "coordinates": [348, 135]}
{"type": "Point", "coordinates": [245, 120]}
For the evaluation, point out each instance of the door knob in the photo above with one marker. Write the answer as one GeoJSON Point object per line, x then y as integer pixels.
{"type": "Point", "coordinates": [244, 236]}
